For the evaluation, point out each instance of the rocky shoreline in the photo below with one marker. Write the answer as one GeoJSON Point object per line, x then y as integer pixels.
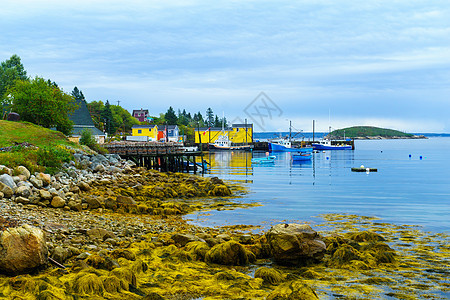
{"type": "Point", "coordinates": [114, 231]}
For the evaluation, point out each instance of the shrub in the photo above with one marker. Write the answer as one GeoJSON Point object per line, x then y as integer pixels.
{"type": "Point", "coordinates": [88, 140]}
{"type": "Point", "coordinates": [53, 158]}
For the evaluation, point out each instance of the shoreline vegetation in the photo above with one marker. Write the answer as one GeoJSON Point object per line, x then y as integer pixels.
{"type": "Point", "coordinates": [109, 230]}
{"type": "Point", "coordinates": [370, 133]}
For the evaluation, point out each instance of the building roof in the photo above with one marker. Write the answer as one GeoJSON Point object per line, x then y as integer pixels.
{"type": "Point", "coordinates": [242, 125]}
{"type": "Point", "coordinates": [81, 116]}
{"type": "Point", "coordinates": [140, 111]}
{"type": "Point", "coordinates": [77, 129]}
{"type": "Point", "coordinates": [143, 126]}
{"type": "Point", "coordinates": [163, 127]}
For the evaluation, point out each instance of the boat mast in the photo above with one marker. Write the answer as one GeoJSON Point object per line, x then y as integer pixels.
{"type": "Point", "coordinates": [290, 130]}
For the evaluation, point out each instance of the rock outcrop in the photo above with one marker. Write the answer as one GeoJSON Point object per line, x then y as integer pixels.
{"type": "Point", "coordinates": [22, 249]}
{"type": "Point", "coordinates": [294, 244]}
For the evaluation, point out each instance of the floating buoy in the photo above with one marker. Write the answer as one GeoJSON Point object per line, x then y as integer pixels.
{"type": "Point", "coordinates": [421, 157]}
{"type": "Point", "coordinates": [410, 156]}
{"type": "Point", "coordinates": [328, 158]}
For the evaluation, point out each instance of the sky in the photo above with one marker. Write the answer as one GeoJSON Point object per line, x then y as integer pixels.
{"type": "Point", "coordinates": [341, 63]}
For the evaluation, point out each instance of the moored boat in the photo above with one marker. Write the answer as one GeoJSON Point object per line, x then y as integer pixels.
{"type": "Point", "coordinates": [327, 145]}
{"type": "Point", "coordinates": [284, 145]}
{"type": "Point", "coordinates": [301, 157]}
{"type": "Point", "coordinates": [264, 160]}
{"type": "Point", "coordinates": [224, 143]}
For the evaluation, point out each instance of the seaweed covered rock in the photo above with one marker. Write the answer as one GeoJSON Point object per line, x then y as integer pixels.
{"type": "Point", "coordinates": [294, 290]}
{"type": "Point", "coordinates": [22, 249]}
{"type": "Point", "coordinates": [269, 275]}
{"type": "Point", "coordinates": [229, 253]}
{"type": "Point", "coordinates": [294, 244]}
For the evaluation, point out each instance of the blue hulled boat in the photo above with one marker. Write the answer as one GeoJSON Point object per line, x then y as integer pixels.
{"type": "Point", "coordinates": [301, 157]}
{"type": "Point", "coordinates": [284, 145]}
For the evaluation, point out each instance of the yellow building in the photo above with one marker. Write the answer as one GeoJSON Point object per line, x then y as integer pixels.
{"type": "Point", "coordinates": [237, 133]}
{"type": "Point", "coordinates": [151, 131]}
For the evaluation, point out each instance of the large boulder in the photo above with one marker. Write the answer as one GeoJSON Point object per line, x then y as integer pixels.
{"type": "Point", "coordinates": [294, 244]}
{"type": "Point", "coordinates": [8, 180]}
{"type": "Point", "coordinates": [22, 249]}
{"type": "Point", "coordinates": [23, 191]}
{"type": "Point", "coordinates": [24, 171]}
{"type": "Point", "coordinates": [6, 190]}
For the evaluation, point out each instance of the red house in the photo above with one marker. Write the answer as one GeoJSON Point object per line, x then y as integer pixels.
{"type": "Point", "coordinates": [142, 115]}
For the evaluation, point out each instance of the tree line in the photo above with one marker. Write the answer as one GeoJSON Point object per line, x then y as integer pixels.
{"type": "Point", "coordinates": [183, 118]}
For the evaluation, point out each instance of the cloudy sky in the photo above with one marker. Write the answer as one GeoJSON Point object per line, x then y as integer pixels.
{"type": "Point", "coordinates": [340, 62]}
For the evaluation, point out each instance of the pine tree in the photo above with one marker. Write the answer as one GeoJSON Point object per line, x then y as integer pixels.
{"type": "Point", "coordinates": [170, 116]}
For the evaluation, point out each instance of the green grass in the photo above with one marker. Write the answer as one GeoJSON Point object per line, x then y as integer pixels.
{"type": "Point", "coordinates": [367, 131]}
{"type": "Point", "coordinates": [19, 132]}
{"type": "Point", "coordinates": [49, 156]}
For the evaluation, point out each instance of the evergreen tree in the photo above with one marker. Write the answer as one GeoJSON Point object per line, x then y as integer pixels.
{"type": "Point", "coordinates": [171, 117]}
{"type": "Point", "coordinates": [108, 118]}
{"type": "Point", "coordinates": [78, 94]}
{"type": "Point", "coordinates": [209, 119]}
{"type": "Point", "coordinates": [217, 122]}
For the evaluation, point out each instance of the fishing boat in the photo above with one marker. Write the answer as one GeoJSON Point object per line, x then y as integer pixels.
{"type": "Point", "coordinates": [301, 157]}
{"type": "Point", "coordinates": [285, 145]}
{"type": "Point", "coordinates": [327, 145]}
{"type": "Point", "coordinates": [223, 143]}
{"type": "Point", "coordinates": [264, 160]}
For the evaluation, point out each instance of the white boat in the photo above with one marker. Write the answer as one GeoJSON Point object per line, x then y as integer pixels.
{"type": "Point", "coordinates": [327, 145]}
{"type": "Point", "coordinates": [224, 143]}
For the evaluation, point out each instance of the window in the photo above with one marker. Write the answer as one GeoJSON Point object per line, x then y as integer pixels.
{"type": "Point", "coordinates": [139, 131]}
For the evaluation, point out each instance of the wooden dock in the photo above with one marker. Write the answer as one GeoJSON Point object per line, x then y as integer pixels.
{"type": "Point", "coordinates": [165, 157]}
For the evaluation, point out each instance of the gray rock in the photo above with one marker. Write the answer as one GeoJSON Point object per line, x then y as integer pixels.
{"type": "Point", "coordinates": [99, 168]}
{"type": "Point", "coordinates": [8, 180]}
{"type": "Point", "coordinates": [37, 183]}
{"type": "Point", "coordinates": [23, 191]}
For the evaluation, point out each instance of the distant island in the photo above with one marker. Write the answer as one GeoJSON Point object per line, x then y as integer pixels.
{"type": "Point", "coordinates": [371, 133]}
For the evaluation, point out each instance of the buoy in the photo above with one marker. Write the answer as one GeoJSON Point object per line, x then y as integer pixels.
{"type": "Point", "coordinates": [421, 157]}
{"type": "Point", "coordinates": [410, 156]}
{"type": "Point", "coordinates": [267, 153]}
{"type": "Point", "coordinates": [328, 158]}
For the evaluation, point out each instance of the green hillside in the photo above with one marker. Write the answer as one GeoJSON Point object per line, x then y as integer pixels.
{"type": "Point", "coordinates": [368, 132]}
{"type": "Point", "coordinates": [19, 132]}
{"type": "Point", "coordinates": [48, 154]}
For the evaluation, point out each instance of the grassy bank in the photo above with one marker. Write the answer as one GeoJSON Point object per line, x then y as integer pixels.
{"type": "Point", "coordinates": [32, 146]}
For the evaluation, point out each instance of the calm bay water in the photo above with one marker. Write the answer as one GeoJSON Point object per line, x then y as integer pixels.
{"type": "Point", "coordinates": [404, 190]}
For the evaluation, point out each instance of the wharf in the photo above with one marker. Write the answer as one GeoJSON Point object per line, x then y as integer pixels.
{"type": "Point", "coordinates": [166, 157]}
